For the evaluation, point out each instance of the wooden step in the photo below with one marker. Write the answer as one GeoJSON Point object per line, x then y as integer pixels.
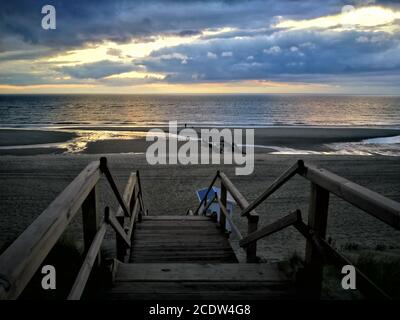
{"type": "Point", "coordinates": [189, 239]}
{"type": "Point", "coordinates": [170, 281]}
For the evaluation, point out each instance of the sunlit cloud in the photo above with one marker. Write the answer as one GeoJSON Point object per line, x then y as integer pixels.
{"type": "Point", "coordinates": [380, 18]}
{"type": "Point", "coordinates": [131, 50]}
{"type": "Point", "coordinates": [255, 46]}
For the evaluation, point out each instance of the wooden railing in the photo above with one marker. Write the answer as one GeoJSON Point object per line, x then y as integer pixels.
{"type": "Point", "coordinates": [252, 216]}
{"type": "Point", "coordinates": [24, 256]}
{"type": "Point", "coordinates": [318, 250]}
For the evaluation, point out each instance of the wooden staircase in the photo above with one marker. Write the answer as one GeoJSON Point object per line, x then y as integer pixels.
{"type": "Point", "coordinates": [199, 281]}
{"type": "Point", "coordinates": [189, 239]}
{"type": "Point", "coordinates": [188, 257]}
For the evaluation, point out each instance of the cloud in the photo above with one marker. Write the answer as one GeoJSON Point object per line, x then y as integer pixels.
{"type": "Point", "coordinates": [96, 70]}
{"type": "Point", "coordinates": [273, 50]}
{"type": "Point", "coordinates": [227, 54]}
{"type": "Point", "coordinates": [82, 22]}
{"type": "Point", "coordinates": [189, 33]}
{"type": "Point", "coordinates": [114, 52]}
{"type": "Point", "coordinates": [278, 56]}
{"type": "Point", "coordinates": [211, 55]}
{"type": "Point", "coordinates": [219, 40]}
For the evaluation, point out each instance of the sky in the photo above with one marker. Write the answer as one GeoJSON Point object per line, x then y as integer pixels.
{"type": "Point", "coordinates": [196, 47]}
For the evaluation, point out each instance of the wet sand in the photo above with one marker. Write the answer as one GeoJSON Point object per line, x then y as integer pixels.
{"type": "Point", "coordinates": [14, 137]}
{"type": "Point", "coordinates": [307, 138]}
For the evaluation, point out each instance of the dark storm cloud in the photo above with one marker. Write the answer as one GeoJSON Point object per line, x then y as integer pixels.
{"type": "Point", "coordinates": [278, 55]}
{"type": "Point", "coordinates": [253, 49]}
{"type": "Point", "coordinates": [80, 22]}
{"type": "Point", "coordinates": [96, 70]}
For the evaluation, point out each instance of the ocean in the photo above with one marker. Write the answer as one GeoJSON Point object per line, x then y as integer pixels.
{"type": "Point", "coordinates": [102, 117]}
{"type": "Point", "coordinates": [199, 110]}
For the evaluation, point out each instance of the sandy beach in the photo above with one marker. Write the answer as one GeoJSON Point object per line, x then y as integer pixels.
{"type": "Point", "coordinates": [33, 176]}
{"type": "Point", "coordinates": [30, 183]}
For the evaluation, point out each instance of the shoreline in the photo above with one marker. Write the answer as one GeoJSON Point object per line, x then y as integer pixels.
{"type": "Point", "coordinates": [23, 141]}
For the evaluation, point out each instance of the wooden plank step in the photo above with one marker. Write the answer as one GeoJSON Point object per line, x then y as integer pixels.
{"type": "Point", "coordinates": [193, 258]}
{"type": "Point", "coordinates": [177, 227]}
{"type": "Point", "coordinates": [199, 272]}
{"type": "Point", "coordinates": [182, 247]}
{"type": "Point", "coordinates": [170, 217]}
{"type": "Point", "coordinates": [188, 239]}
{"type": "Point", "coordinates": [185, 231]}
{"type": "Point", "coordinates": [196, 281]}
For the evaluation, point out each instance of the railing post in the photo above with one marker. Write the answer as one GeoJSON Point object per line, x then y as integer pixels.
{"type": "Point", "coordinates": [90, 221]}
{"type": "Point", "coordinates": [252, 225]}
{"type": "Point", "coordinates": [222, 218]}
{"type": "Point", "coordinates": [317, 221]}
{"type": "Point", "coordinates": [121, 247]}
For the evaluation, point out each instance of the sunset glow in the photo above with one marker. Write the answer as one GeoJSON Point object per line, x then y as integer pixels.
{"type": "Point", "coordinates": [238, 51]}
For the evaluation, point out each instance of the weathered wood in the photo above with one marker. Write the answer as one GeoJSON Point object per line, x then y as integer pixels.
{"type": "Point", "coordinates": [235, 193]}
{"type": "Point", "coordinates": [133, 219]}
{"type": "Point", "coordinates": [171, 240]}
{"type": "Point", "coordinates": [225, 213]}
{"type": "Point", "coordinates": [175, 218]}
{"type": "Point", "coordinates": [279, 182]}
{"type": "Point", "coordinates": [24, 256]}
{"type": "Point", "coordinates": [120, 242]}
{"type": "Point", "coordinates": [222, 206]}
{"type": "Point", "coordinates": [104, 168]}
{"type": "Point", "coordinates": [90, 221]}
{"type": "Point", "coordinates": [173, 224]}
{"type": "Point", "coordinates": [317, 221]}
{"type": "Point", "coordinates": [276, 226]}
{"type": "Point", "coordinates": [84, 272]}
{"type": "Point", "coordinates": [208, 191]}
{"type": "Point", "coordinates": [140, 194]}
{"type": "Point", "coordinates": [252, 216]}
{"type": "Point", "coordinates": [181, 246]}
{"type": "Point", "coordinates": [112, 220]}
{"type": "Point", "coordinates": [251, 250]}
{"type": "Point", "coordinates": [127, 196]}
{"type": "Point", "coordinates": [200, 281]}
{"type": "Point", "coordinates": [198, 272]}
{"type": "Point", "coordinates": [204, 212]}
{"type": "Point", "coordinates": [371, 202]}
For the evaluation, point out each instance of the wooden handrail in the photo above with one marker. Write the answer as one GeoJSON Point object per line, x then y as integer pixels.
{"type": "Point", "coordinates": [133, 219]}
{"type": "Point", "coordinates": [276, 226]}
{"type": "Point", "coordinates": [87, 265]}
{"type": "Point", "coordinates": [228, 217]}
{"type": "Point", "coordinates": [128, 192]}
{"type": "Point", "coordinates": [235, 193]}
{"type": "Point", "coordinates": [107, 173]}
{"type": "Point", "coordinates": [323, 182]}
{"type": "Point", "coordinates": [204, 211]}
{"type": "Point", "coordinates": [280, 181]}
{"type": "Point", "coordinates": [23, 257]}
{"type": "Point", "coordinates": [252, 216]}
{"type": "Point", "coordinates": [140, 195]}
{"type": "Point", "coordinates": [110, 218]}
{"type": "Point", "coordinates": [371, 202]}
{"type": "Point", "coordinates": [208, 191]}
